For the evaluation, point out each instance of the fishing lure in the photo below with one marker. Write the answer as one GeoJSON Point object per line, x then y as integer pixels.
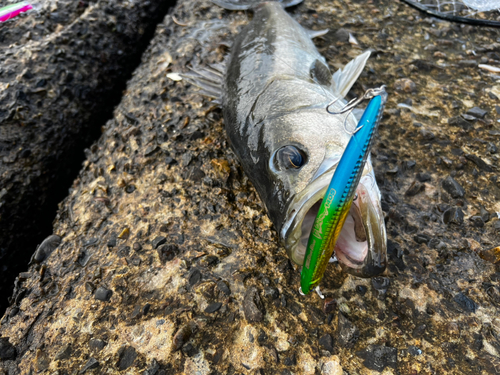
{"type": "Point", "coordinates": [13, 10]}
{"type": "Point", "coordinates": [340, 194]}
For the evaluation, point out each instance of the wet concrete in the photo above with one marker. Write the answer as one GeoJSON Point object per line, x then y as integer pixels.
{"type": "Point", "coordinates": [169, 263]}
{"type": "Point", "coordinates": [62, 70]}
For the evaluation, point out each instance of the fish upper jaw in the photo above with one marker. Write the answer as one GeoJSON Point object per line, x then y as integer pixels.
{"type": "Point", "coordinates": [361, 247]}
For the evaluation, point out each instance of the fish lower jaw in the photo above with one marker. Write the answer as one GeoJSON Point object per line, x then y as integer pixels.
{"type": "Point", "coordinates": [348, 249]}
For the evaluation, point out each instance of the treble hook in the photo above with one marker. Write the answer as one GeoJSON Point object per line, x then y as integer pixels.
{"type": "Point", "coordinates": [369, 94]}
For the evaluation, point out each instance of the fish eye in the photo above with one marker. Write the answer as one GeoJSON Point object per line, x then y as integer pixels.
{"type": "Point", "coordinates": [288, 157]}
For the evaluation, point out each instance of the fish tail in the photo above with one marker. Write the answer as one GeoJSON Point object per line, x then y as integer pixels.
{"type": "Point", "coordinates": [249, 4]}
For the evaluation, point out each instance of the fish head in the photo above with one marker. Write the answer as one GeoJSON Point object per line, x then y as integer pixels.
{"type": "Point", "coordinates": [305, 150]}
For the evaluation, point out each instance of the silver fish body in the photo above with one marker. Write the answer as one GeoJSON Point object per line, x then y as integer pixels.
{"type": "Point", "coordinates": [274, 93]}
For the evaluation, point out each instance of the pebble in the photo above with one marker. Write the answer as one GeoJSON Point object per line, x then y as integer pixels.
{"type": "Point", "coordinates": [136, 312]}
{"type": "Point", "coordinates": [209, 260]}
{"type": "Point", "coordinates": [453, 187]}
{"type": "Point", "coordinates": [394, 170]}
{"type": "Point", "coordinates": [170, 161]}
{"type": "Point", "coordinates": [182, 335]}
{"type": "Point", "coordinates": [112, 242]}
{"type": "Point", "coordinates": [347, 333]}
{"type": "Point", "coordinates": [405, 84]}
{"type": "Point", "coordinates": [151, 149]}
{"type": "Point", "coordinates": [83, 258]}
{"type": "Point", "coordinates": [213, 307]}
{"type": "Point", "coordinates": [153, 368]}
{"type": "Point", "coordinates": [64, 352]}
{"type": "Point", "coordinates": [410, 164]}
{"type": "Point", "coordinates": [414, 351]}
{"type": "Point", "coordinates": [90, 242]}
{"type": "Point", "coordinates": [330, 305]}
{"type": "Point", "coordinates": [380, 284]}
{"type": "Point", "coordinates": [126, 357]}
{"type": "Point", "coordinates": [361, 290]}
{"type": "Point", "coordinates": [421, 238]}
{"type": "Point", "coordinates": [130, 189]}
{"type": "Point", "coordinates": [326, 341]}
{"type": "Point", "coordinates": [485, 215]}
{"type": "Point", "coordinates": [481, 164]}
{"type": "Point", "coordinates": [135, 260]}
{"type": "Point", "coordinates": [447, 162]}
{"type": "Point", "coordinates": [46, 248]}
{"type": "Point", "coordinates": [491, 255]}
{"type": "Point", "coordinates": [491, 148]}
{"type": "Point", "coordinates": [477, 221]}
{"type": "Point", "coordinates": [460, 122]}
{"type": "Point", "coordinates": [123, 251]}
{"type": "Point", "coordinates": [189, 350]}
{"type": "Point", "coordinates": [167, 252]}
{"type": "Point", "coordinates": [272, 293]}
{"type": "Point", "coordinates": [252, 306]}
{"type": "Point", "coordinates": [137, 246]}
{"type": "Point", "coordinates": [427, 134]}
{"type": "Point", "coordinates": [195, 277]}
{"type": "Point", "coordinates": [477, 112]}
{"type": "Point", "coordinates": [91, 364]}
{"type": "Point", "coordinates": [290, 360]}
{"type": "Point", "coordinates": [41, 361]}
{"type": "Point", "coordinates": [96, 344]}
{"type": "Point", "coordinates": [378, 357]}
{"type": "Point", "coordinates": [7, 350]}
{"type": "Point", "coordinates": [103, 294]}
{"type": "Point", "coordinates": [342, 35]}
{"type": "Point", "coordinates": [468, 63]}
{"type": "Point", "coordinates": [415, 188]}
{"type": "Point", "coordinates": [160, 240]}
{"type": "Point", "coordinates": [465, 303]}
{"type": "Point", "coordinates": [454, 215]}
{"type": "Point", "coordinates": [423, 177]}
{"type": "Point", "coordinates": [468, 117]}
{"type": "Point", "coordinates": [223, 287]}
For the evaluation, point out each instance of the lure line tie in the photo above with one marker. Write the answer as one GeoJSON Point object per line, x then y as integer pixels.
{"type": "Point", "coordinates": [353, 103]}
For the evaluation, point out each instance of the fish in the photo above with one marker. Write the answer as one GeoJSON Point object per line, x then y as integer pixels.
{"type": "Point", "coordinates": [274, 89]}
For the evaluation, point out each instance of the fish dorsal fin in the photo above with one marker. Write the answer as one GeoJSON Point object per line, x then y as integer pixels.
{"type": "Point", "coordinates": [208, 79]}
{"type": "Point", "coordinates": [343, 79]}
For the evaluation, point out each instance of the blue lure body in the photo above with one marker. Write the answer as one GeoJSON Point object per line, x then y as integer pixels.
{"type": "Point", "coordinates": [339, 197]}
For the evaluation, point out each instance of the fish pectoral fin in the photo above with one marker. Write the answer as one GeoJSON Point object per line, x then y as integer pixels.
{"type": "Point", "coordinates": [316, 33]}
{"type": "Point", "coordinates": [343, 79]}
{"type": "Point", "coordinates": [208, 79]}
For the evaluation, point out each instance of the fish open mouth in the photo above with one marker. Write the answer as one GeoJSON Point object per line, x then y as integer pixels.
{"type": "Point", "coordinates": [361, 245]}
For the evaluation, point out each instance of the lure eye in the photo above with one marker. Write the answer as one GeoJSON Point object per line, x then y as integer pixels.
{"type": "Point", "coordinates": [288, 157]}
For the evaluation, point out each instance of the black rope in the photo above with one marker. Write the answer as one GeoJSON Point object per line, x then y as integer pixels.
{"type": "Point", "coordinates": [447, 17]}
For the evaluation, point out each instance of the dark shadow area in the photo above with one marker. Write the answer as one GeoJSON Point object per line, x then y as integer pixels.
{"type": "Point", "coordinates": [36, 219]}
